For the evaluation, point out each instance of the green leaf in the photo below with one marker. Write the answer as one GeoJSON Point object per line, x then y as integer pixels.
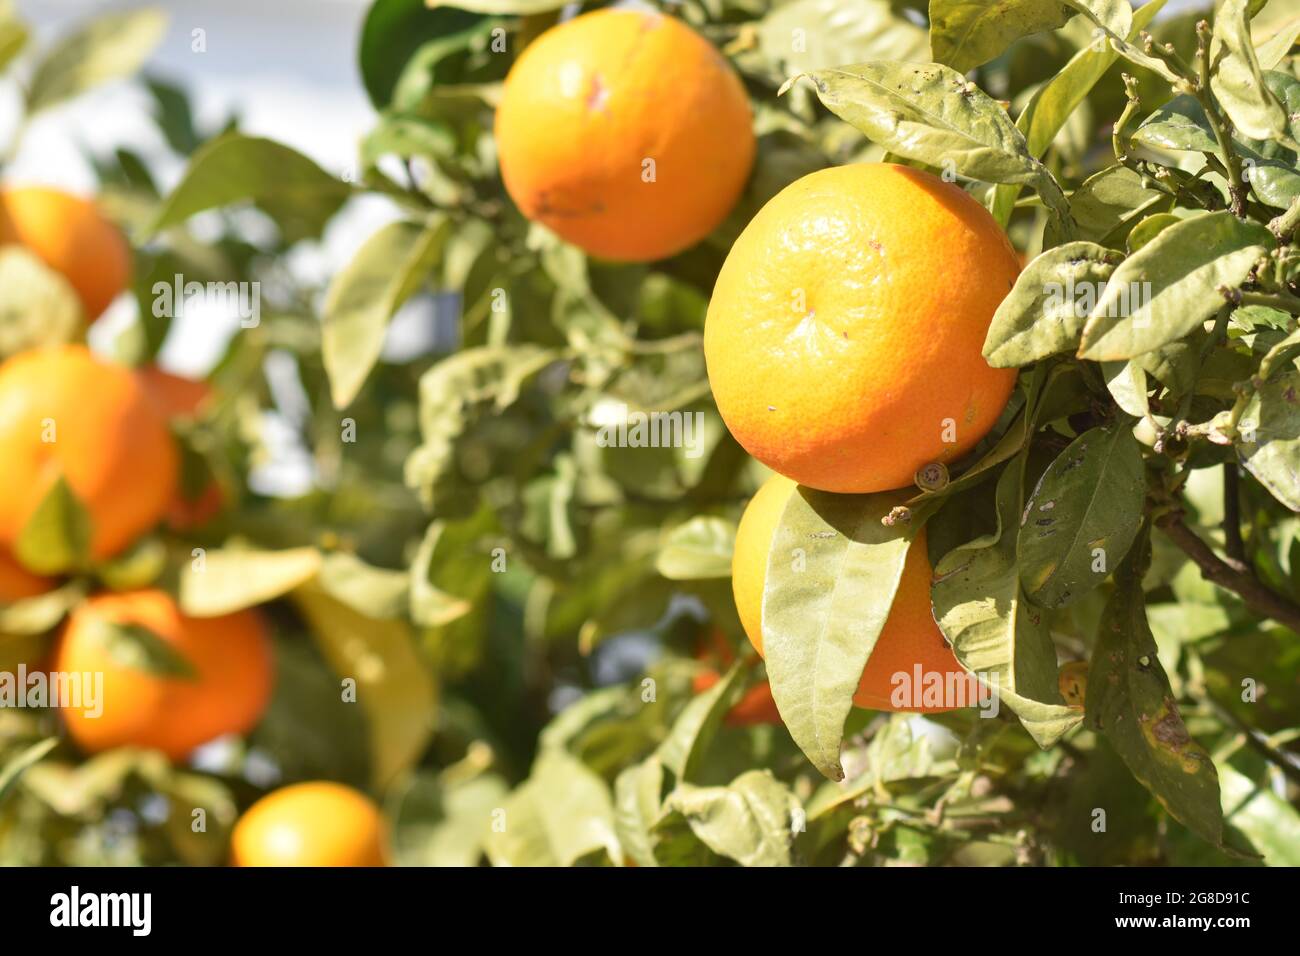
{"type": "Point", "coordinates": [388, 269]}
{"type": "Point", "coordinates": [931, 114]}
{"type": "Point", "coordinates": [694, 728]}
{"type": "Point", "coordinates": [450, 571]}
{"type": "Point", "coordinates": [1273, 456]}
{"type": "Point", "coordinates": [56, 538]}
{"type": "Point", "coordinates": [832, 572]}
{"type": "Point", "coordinates": [808, 35]}
{"type": "Point", "coordinates": [1238, 84]}
{"type": "Point", "coordinates": [967, 33]}
{"type": "Point", "coordinates": [394, 685]}
{"type": "Point", "coordinates": [700, 548]}
{"type": "Point", "coordinates": [749, 821]}
{"type": "Point", "coordinates": [107, 48]}
{"type": "Point", "coordinates": [1273, 39]}
{"type": "Point", "coordinates": [517, 7]}
{"type": "Point", "coordinates": [1108, 204]}
{"type": "Point", "coordinates": [1057, 99]}
{"type": "Point", "coordinates": [20, 762]}
{"type": "Point", "coordinates": [1270, 823]}
{"type": "Point", "coordinates": [1129, 701]}
{"type": "Point", "coordinates": [1083, 516]}
{"type": "Point", "coordinates": [13, 33]}
{"type": "Point", "coordinates": [1044, 312]}
{"type": "Point", "coordinates": [38, 306]}
{"type": "Point", "coordinates": [237, 168]}
{"type": "Point", "coordinates": [637, 807]}
{"type": "Point", "coordinates": [375, 592]}
{"type": "Point", "coordinates": [395, 29]}
{"type": "Point", "coordinates": [443, 819]}
{"type": "Point", "coordinates": [136, 647]}
{"type": "Point", "coordinates": [1149, 228]}
{"type": "Point", "coordinates": [994, 632]}
{"type": "Point", "coordinates": [36, 615]}
{"type": "Point", "coordinates": [1127, 384]}
{"type": "Point", "coordinates": [561, 813]}
{"type": "Point", "coordinates": [1171, 285]}
{"type": "Point", "coordinates": [227, 580]}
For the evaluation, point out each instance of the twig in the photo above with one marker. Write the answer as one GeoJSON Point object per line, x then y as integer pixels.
{"type": "Point", "coordinates": [1233, 545]}
{"type": "Point", "coordinates": [1235, 577]}
{"type": "Point", "coordinates": [1288, 763]}
{"type": "Point", "coordinates": [1284, 226]}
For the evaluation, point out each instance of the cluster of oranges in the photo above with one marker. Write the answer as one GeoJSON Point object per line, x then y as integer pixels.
{"type": "Point", "coordinates": [843, 338]}
{"type": "Point", "coordinates": [105, 430]}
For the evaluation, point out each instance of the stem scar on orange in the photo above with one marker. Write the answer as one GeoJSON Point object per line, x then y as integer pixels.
{"type": "Point", "coordinates": [72, 237]}
{"type": "Point", "coordinates": [311, 824]}
{"type": "Point", "coordinates": [910, 637]}
{"type": "Point", "coordinates": [625, 132]}
{"type": "Point", "coordinates": [65, 412]}
{"type": "Point", "coordinates": [227, 694]}
{"type": "Point", "coordinates": [844, 335]}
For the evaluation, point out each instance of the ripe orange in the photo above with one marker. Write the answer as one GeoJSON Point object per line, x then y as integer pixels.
{"type": "Point", "coordinates": [755, 707]}
{"type": "Point", "coordinates": [844, 335]}
{"type": "Point", "coordinates": [626, 133]}
{"type": "Point", "coordinates": [230, 655]}
{"type": "Point", "coordinates": [17, 583]}
{"type": "Point", "coordinates": [65, 412]}
{"type": "Point", "coordinates": [310, 824]}
{"type": "Point", "coordinates": [910, 635]}
{"type": "Point", "coordinates": [72, 237]}
{"type": "Point", "coordinates": [182, 399]}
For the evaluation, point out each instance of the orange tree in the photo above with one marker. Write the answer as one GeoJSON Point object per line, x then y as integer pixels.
{"type": "Point", "coordinates": [496, 610]}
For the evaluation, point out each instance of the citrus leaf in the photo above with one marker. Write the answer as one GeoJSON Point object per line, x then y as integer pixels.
{"type": "Point", "coordinates": [559, 815]}
{"type": "Point", "coordinates": [516, 7]}
{"type": "Point", "coordinates": [1109, 203]}
{"type": "Point", "coordinates": [38, 306]}
{"type": "Point", "coordinates": [811, 34]}
{"type": "Point", "coordinates": [443, 819]}
{"type": "Point", "coordinates": [1238, 84]}
{"type": "Point", "coordinates": [1057, 99]}
{"type": "Point", "coordinates": [1270, 823]}
{"type": "Point", "coordinates": [832, 572]}
{"type": "Point", "coordinates": [694, 728]}
{"type": "Point", "coordinates": [1083, 516]}
{"type": "Point", "coordinates": [1127, 384]}
{"type": "Point", "coordinates": [967, 33]}
{"type": "Point", "coordinates": [13, 33]}
{"type": "Point", "coordinates": [1273, 457]}
{"type": "Point", "coordinates": [1149, 228]}
{"type": "Point", "coordinates": [1129, 701]}
{"type": "Point", "coordinates": [394, 30]}
{"type": "Point", "coordinates": [393, 682]}
{"type": "Point", "coordinates": [749, 820]}
{"type": "Point", "coordinates": [994, 632]}
{"type": "Point", "coordinates": [637, 807]}
{"type": "Point", "coordinates": [1043, 313]}
{"type": "Point", "coordinates": [20, 762]}
{"type": "Point", "coordinates": [1171, 285]}
{"type": "Point", "coordinates": [227, 580]}
{"type": "Point", "coordinates": [36, 615]}
{"type": "Point", "coordinates": [1273, 41]}
{"type": "Point", "coordinates": [385, 272]}
{"type": "Point", "coordinates": [931, 114]}
{"type": "Point", "coordinates": [445, 580]}
{"type": "Point", "coordinates": [237, 168]}
{"type": "Point", "coordinates": [56, 538]}
{"type": "Point", "coordinates": [106, 48]}
{"type": "Point", "coordinates": [374, 592]}
{"type": "Point", "coordinates": [136, 647]}
{"type": "Point", "coordinates": [699, 548]}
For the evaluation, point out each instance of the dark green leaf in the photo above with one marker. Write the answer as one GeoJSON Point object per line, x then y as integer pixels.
{"type": "Point", "coordinates": [1083, 516]}
{"type": "Point", "coordinates": [1129, 701]}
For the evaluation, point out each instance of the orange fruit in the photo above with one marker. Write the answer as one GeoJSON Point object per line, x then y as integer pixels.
{"type": "Point", "coordinates": [230, 656]}
{"type": "Point", "coordinates": [72, 237]}
{"type": "Point", "coordinates": [910, 636]}
{"type": "Point", "coordinates": [65, 412]}
{"type": "Point", "coordinates": [182, 399]}
{"type": "Point", "coordinates": [844, 334]}
{"type": "Point", "coordinates": [17, 583]}
{"type": "Point", "coordinates": [311, 824]}
{"type": "Point", "coordinates": [625, 132]}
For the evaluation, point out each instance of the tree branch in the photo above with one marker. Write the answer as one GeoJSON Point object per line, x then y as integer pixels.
{"type": "Point", "coordinates": [1233, 545]}
{"type": "Point", "coordinates": [1233, 577]}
